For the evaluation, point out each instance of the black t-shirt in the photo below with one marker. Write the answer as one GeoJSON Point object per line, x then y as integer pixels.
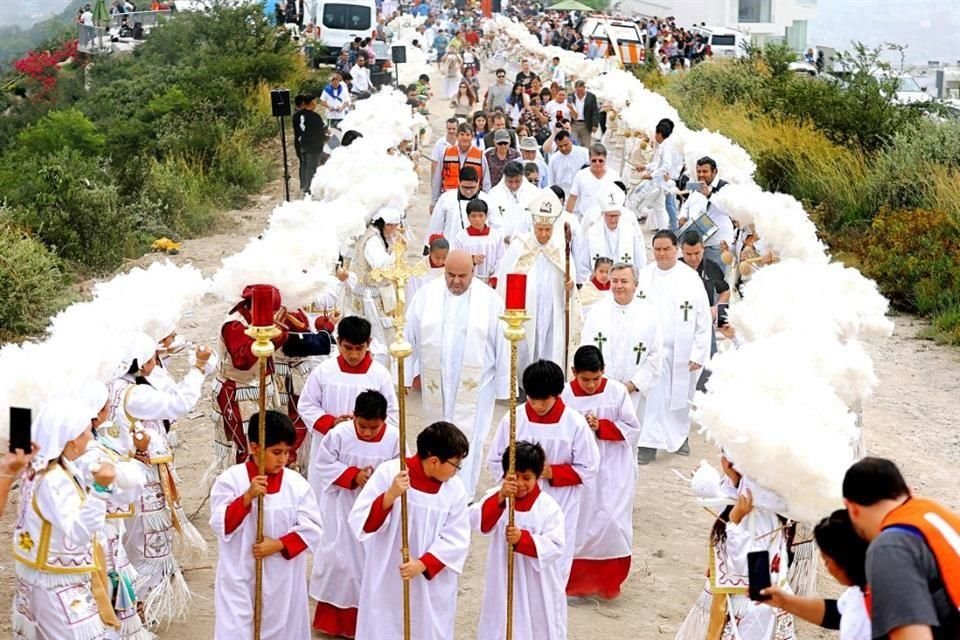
{"type": "Point", "coordinates": [312, 130]}
{"type": "Point", "coordinates": [713, 281]}
{"type": "Point", "coordinates": [906, 588]}
{"type": "Point", "coordinates": [524, 79]}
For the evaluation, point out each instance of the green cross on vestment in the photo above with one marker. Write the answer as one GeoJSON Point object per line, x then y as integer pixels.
{"type": "Point", "coordinates": [600, 339]}
{"type": "Point", "coordinates": [625, 258]}
{"type": "Point", "coordinates": [641, 294]}
{"type": "Point", "coordinates": [685, 307]}
{"type": "Point", "coordinates": [639, 349]}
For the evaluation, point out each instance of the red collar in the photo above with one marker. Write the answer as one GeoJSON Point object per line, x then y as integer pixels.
{"type": "Point", "coordinates": [360, 368]}
{"type": "Point", "coordinates": [473, 231]}
{"type": "Point", "coordinates": [552, 417]}
{"type": "Point", "coordinates": [418, 479]}
{"type": "Point", "coordinates": [600, 285]}
{"type": "Point", "coordinates": [433, 266]}
{"type": "Point", "coordinates": [274, 480]}
{"type": "Point", "coordinates": [526, 502]}
{"type": "Point", "coordinates": [376, 438]}
{"type": "Point", "coordinates": [580, 393]}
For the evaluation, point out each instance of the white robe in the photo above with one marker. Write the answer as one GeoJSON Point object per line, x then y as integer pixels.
{"type": "Point", "coordinates": [450, 215]}
{"type": "Point", "coordinates": [332, 391]}
{"type": "Point", "coordinates": [415, 283]}
{"type": "Point", "coordinates": [338, 562]}
{"type": "Point", "coordinates": [463, 360]}
{"type": "Point", "coordinates": [685, 327]}
{"type": "Point", "coordinates": [491, 246]}
{"type": "Point", "coordinates": [292, 509]}
{"type": "Point", "coordinates": [512, 207]}
{"type": "Point", "coordinates": [606, 516]}
{"type": "Point", "coordinates": [544, 266]}
{"type": "Point", "coordinates": [623, 244]}
{"type": "Point", "coordinates": [539, 598]}
{"type": "Point", "coordinates": [629, 338]}
{"type": "Point", "coordinates": [569, 441]}
{"type": "Point", "coordinates": [438, 525]}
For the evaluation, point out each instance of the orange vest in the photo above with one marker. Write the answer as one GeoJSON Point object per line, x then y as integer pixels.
{"type": "Point", "coordinates": [940, 529]}
{"type": "Point", "coordinates": [451, 165]}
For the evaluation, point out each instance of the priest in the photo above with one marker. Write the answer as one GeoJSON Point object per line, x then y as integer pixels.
{"type": "Point", "coordinates": [626, 331]}
{"type": "Point", "coordinates": [460, 357]}
{"type": "Point", "coordinates": [678, 296]}
{"type": "Point", "coordinates": [541, 255]}
{"type": "Point", "coordinates": [611, 236]}
{"type": "Point", "coordinates": [510, 197]}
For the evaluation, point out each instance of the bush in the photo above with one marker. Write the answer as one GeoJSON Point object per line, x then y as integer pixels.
{"type": "Point", "coordinates": [68, 129]}
{"type": "Point", "coordinates": [173, 200]}
{"type": "Point", "coordinates": [32, 284]}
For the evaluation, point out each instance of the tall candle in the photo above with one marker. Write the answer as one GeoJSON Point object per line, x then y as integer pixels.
{"type": "Point", "coordinates": [516, 291]}
{"type": "Point", "coordinates": [261, 311]}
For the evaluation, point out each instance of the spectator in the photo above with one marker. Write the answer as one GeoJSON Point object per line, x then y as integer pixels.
{"type": "Point", "coordinates": [498, 121]}
{"type": "Point", "coordinates": [500, 154]}
{"type": "Point", "coordinates": [588, 185]}
{"type": "Point", "coordinates": [530, 153]}
{"type": "Point", "coordinates": [498, 93]}
{"type": "Point", "coordinates": [353, 50]}
{"type": "Point", "coordinates": [480, 129]}
{"type": "Point", "coordinates": [298, 104]}
{"type": "Point", "coordinates": [525, 76]}
{"type": "Point", "coordinates": [913, 565]}
{"type": "Point", "coordinates": [336, 99]}
{"type": "Point", "coordinates": [451, 74]}
{"type": "Point", "coordinates": [535, 120]}
{"type": "Point", "coordinates": [313, 133]}
{"type": "Point", "coordinates": [558, 108]}
{"type": "Point", "coordinates": [440, 44]}
{"type": "Point", "coordinates": [450, 139]}
{"type": "Point", "coordinates": [699, 204]}
{"type": "Point", "coordinates": [360, 74]}
{"type": "Point", "coordinates": [532, 174]}
{"type": "Point", "coordinates": [557, 73]}
{"type": "Point", "coordinates": [463, 103]}
{"type": "Point", "coordinates": [471, 78]}
{"type": "Point", "coordinates": [517, 102]}
{"type": "Point", "coordinates": [422, 10]}
{"type": "Point", "coordinates": [586, 114]}
{"type": "Point", "coordinates": [343, 64]}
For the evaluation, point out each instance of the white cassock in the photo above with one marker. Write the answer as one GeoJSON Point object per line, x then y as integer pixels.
{"type": "Point", "coordinates": [685, 326]}
{"type": "Point", "coordinates": [544, 266]}
{"type": "Point", "coordinates": [512, 206]}
{"type": "Point", "coordinates": [629, 338]}
{"type": "Point", "coordinates": [289, 509]}
{"type": "Point", "coordinates": [605, 533]}
{"type": "Point", "coordinates": [572, 454]}
{"type": "Point", "coordinates": [331, 391]}
{"type": "Point", "coordinates": [539, 600]}
{"type": "Point", "coordinates": [439, 526]}
{"type": "Point", "coordinates": [416, 282]}
{"type": "Point", "coordinates": [488, 243]}
{"type": "Point", "coordinates": [623, 244]}
{"type": "Point", "coordinates": [338, 562]}
{"type": "Point", "coordinates": [450, 215]}
{"type": "Point", "coordinates": [463, 360]}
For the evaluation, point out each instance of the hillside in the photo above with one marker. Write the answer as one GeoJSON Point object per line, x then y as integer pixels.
{"type": "Point", "coordinates": [29, 25]}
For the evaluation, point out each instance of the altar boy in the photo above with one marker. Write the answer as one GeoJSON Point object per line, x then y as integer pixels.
{"type": "Point", "coordinates": [291, 524]}
{"type": "Point", "coordinates": [439, 536]}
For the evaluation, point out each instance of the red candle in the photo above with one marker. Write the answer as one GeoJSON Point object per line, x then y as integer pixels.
{"type": "Point", "coordinates": [516, 291]}
{"type": "Point", "coordinates": [261, 306]}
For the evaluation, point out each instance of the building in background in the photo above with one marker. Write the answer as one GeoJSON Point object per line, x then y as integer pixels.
{"type": "Point", "coordinates": [765, 20]}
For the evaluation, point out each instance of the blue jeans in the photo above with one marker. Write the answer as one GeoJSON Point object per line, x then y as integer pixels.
{"type": "Point", "coordinates": [671, 204]}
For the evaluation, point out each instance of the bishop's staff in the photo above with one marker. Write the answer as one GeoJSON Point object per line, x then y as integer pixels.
{"type": "Point", "coordinates": [398, 274]}
{"type": "Point", "coordinates": [263, 330]}
{"type": "Point", "coordinates": [514, 315]}
{"type": "Point", "coordinates": [568, 240]}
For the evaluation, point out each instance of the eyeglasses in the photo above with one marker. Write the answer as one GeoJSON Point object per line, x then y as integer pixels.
{"type": "Point", "coordinates": [500, 75]}
{"type": "Point", "coordinates": [455, 464]}
{"type": "Point", "coordinates": [597, 160]}
{"type": "Point", "coordinates": [500, 143]}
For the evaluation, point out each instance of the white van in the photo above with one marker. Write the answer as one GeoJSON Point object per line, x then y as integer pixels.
{"type": "Point", "coordinates": [724, 42]}
{"type": "Point", "coordinates": [340, 21]}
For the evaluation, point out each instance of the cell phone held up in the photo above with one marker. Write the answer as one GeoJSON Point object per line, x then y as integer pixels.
{"type": "Point", "coordinates": [758, 573]}
{"type": "Point", "coordinates": [20, 429]}
{"type": "Point", "coordinates": [722, 314]}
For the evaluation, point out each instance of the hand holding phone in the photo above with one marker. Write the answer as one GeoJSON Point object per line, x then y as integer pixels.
{"type": "Point", "coordinates": [20, 419]}
{"type": "Point", "coordinates": [758, 573]}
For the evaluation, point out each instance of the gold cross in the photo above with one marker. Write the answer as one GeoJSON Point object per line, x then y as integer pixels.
{"type": "Point", "coordinates": [398, 273]}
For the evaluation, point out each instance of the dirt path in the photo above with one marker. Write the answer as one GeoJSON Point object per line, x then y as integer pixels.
{"type": "Point", "coordinates": [909, 419]}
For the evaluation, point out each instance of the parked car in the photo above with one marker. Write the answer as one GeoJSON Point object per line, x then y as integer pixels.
{"type": "Point", "coordinates": [723, 42]}
{"type": "Point", "coordinates": [340, 22]}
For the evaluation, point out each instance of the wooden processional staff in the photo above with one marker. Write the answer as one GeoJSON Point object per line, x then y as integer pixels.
{"type": "Point", "coordinates": [398, 274]}
{"type": "Point", "coordinates": [515, 315]}
{"type": "Point", "coordinates": [263, 331]}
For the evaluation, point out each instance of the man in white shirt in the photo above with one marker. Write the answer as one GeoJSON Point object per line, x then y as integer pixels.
{"type": "Point", "coordinates": [699, 203]}
{"type": "Point", "coordinates": [558, 109]}
{"type": "Point", "coordinates": [336, 99]}
{"type": "Point", "coordinates": [567, 161]}
{"type": "Point", "coordinates": [436, 156]}
{"type": "Point", "coordinates": [557, 74]}
{"type": "Point", "coordinates": [360, 73]}
{"type": "Point", "coordinates": [590, 182]}
{"type": "Point", "coordinates": [665, 167]}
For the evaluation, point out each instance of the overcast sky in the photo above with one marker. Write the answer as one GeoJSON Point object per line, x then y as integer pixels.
{"type": "Point", "coordinates": [930, 28]}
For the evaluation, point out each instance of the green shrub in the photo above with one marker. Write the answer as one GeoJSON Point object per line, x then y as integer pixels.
{"type": "Point", "coordinates": [58, 130]}
{"type": "Point", "coordinates": [173, 200]}
{"type": "Point", "coordinates": [32, 284]}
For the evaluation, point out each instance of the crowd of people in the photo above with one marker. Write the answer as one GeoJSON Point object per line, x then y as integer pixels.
{"type": "Point", "coordinates": [525, 213]}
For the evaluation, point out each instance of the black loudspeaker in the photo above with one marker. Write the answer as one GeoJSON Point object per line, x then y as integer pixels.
{"type": "Point", "coordinates": [496, 6]}
{"type": "Point", "coordinates": [399, 54]}
{"type": "Point", "coordinates": [280, 102]}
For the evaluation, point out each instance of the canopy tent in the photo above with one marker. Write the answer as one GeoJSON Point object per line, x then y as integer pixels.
{"type": "Point", "coordinates": [569, 5]}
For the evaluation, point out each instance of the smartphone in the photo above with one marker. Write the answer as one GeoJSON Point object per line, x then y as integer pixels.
{"type": "Point", "coordinates": [758, 573]}
{"type": "Point", "coordinates": [20, 430]}
{"type": "Point", "coordinates": [722, 314]}
{"type": "Point", "coordinates": [693, 186]}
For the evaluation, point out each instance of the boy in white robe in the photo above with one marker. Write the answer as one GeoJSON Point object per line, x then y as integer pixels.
{"type": "Point", "coordinates": [291, 525]}
{"type": "Point", "coordinates": [572, 453]}
{"type": "Point", "coordinates": [482, 242]}
{"type": "Point", "coordinates": [539, 603]}
{"type": "Point", "coordinates": [348, 455]}
{"type": "Point", "coordinates": [604, 544]}
{"type": "Point", "coordinates": [332, 388]}
{"type": "Point", "coordinates": [439, 538]}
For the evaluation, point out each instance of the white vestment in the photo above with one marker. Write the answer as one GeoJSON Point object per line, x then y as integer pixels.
{"type": "Point", "coordinates": [292, 509]}
{"type": "Point", "coordinates": [463, 360]}
{"type": "Point", "coordinates": [572, 452]}
{"type": "Point", "coordinates": [450, 215]}
{"type": "Point", "coordinates": [331, 391]}
{"type": "Point", "coordinates": [438, 525]}
{"type": "Point", "coordinates": [623, 244]}
{"type": "Point", "coordinates": [606, 515]}
{"type": "Point", "coordinates": [629, 338]}
{"type": "Point", "coordinates": [539, 600]}
{"type": "Point", "coordinates": [512, 206]}
{"type": "Point", "coordinates": [685, 327]}
{"type": "Point", "coordinates": [416, 282]}
{"type": "Point", "coordinates": [338, 562]}
{"type": "Point", "coordinates": [490, 245]}
{"type": "Point", "coordinates": [544, 266]}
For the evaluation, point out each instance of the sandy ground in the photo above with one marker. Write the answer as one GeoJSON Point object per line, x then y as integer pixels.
{"type": "Point", "coordinates": [908, 419]}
